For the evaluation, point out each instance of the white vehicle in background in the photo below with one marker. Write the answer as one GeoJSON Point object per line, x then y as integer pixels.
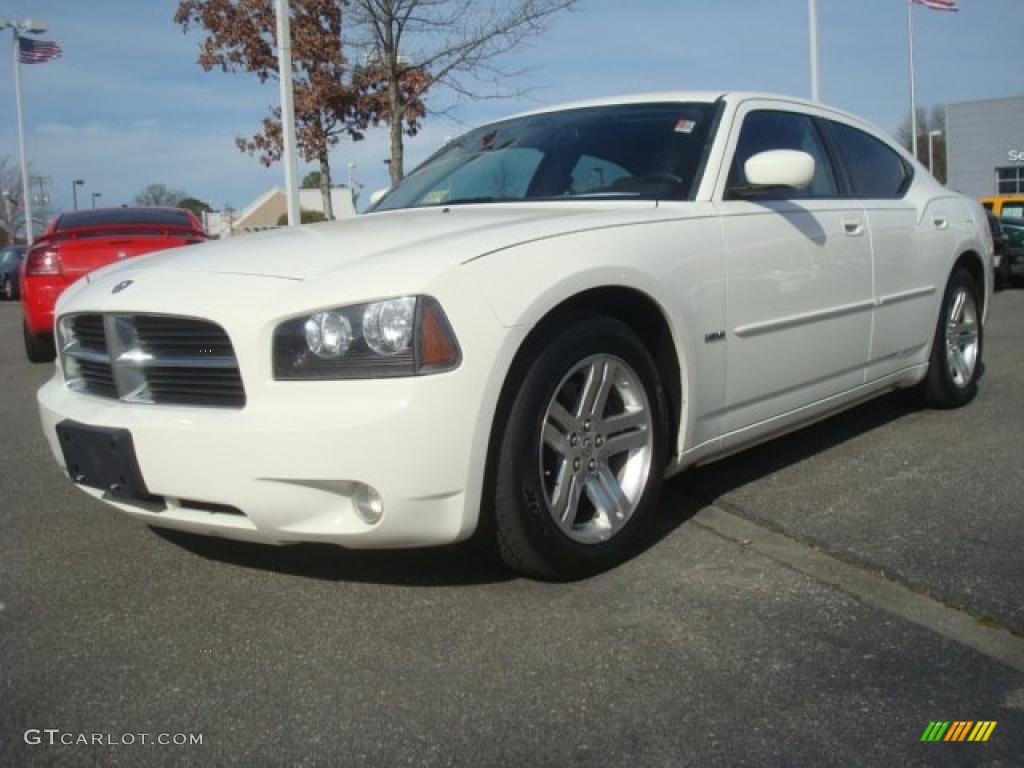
{"type": "Point", "coordinates": [527, 334]}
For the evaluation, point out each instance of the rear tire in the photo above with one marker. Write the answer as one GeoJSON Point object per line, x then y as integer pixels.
{"type": "Point", "coordinates": [38, 348]}
{"type": "Point", "coordinates": [582, 455]}
{"type": "Point", "coordinates": [955, 363]}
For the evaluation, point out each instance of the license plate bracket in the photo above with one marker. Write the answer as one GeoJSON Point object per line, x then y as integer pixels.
{"type": "Point", "coordinates": [102, 458]}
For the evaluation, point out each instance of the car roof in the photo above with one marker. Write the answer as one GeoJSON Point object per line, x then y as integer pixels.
{"type": "Point", "coordinates": [709, 97]}
{"type": "Point", "coordinates": [101, 217]}
{"type": "Point", "coordinates": [700, 97]}
{"type": "Point", "coordinates": [653, 97]}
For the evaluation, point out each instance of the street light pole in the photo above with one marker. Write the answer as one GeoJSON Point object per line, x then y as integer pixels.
{"type": "Point", "coordinates": [815, 82]}
{"type": "Point", "coordinates": [26, 197]}
{"type": "Point", "coordinates": [284, 71]}
{"type": "Point", "coordinates": [74, 190]}
{"type": "Point", "coordinates": [94, 196]}
{"type": "Point", "coordinates": [31, 26]}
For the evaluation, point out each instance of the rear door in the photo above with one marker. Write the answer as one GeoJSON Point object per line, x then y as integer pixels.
{"type": "Point", "coordinates": [907, 242]}
{"type": "Point", "coordinates": [798, 277]}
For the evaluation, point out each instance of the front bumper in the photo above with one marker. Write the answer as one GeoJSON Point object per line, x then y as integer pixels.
{"type": "Point", "coordinates": [288, 461]}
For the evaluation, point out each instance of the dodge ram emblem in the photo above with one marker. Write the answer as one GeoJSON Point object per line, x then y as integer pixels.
{"type": "Point", "coordinates": [121, 286]}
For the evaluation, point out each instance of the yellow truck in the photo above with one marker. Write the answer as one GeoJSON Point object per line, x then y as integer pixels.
{"type": "Point", "coordinates": [1005, 205]}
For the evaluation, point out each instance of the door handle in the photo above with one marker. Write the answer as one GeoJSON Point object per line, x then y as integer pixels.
{"type": "Point", "coordinates": [940, 222]}
{"type": "Point", "coordinates": [853, 227]}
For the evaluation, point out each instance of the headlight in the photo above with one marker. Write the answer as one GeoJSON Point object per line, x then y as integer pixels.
{"type": "Point", "coordinates": [328, 335]}
{"type": "Point", "coordinates": [402, 336]}
{"type": "Point", "coordinates": [65, 338]}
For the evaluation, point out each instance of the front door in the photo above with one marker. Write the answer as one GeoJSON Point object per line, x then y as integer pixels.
{"type": "Point", "coordinates": [799, 282]}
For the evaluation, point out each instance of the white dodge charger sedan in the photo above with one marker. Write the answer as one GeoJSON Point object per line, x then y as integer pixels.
{"type": "Point", "coordinates": [525, 336]}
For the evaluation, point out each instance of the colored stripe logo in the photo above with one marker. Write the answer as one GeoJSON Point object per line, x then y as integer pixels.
{"type": "Point", "coordinates": [958, 730]}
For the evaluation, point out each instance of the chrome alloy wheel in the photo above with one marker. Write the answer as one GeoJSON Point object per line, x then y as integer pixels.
{"type": "Point", "coordinates": [962, 338]}
{"type": "Point", "coordinates": [596, 448]}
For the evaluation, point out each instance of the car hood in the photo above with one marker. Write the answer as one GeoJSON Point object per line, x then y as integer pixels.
{"type": "Point", "coordinates": [442, 235]}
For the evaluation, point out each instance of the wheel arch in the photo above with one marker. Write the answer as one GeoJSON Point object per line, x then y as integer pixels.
{"type": "Point", "coordinates": [634, 307]}
{"type": "Point", "coordinates": [971, 261]}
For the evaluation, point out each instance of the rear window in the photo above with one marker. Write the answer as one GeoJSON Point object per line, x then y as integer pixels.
{"type": "Point", "coordinates": [9, 256]}
{"type": "Point", "coordinates": [1013, 210]}
{"type": "Point", "coordinates": [876, 172]}
{"type": "Point", "coordinates": [157, 217]}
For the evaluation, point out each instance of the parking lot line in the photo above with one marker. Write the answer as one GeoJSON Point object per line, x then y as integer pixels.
{"type": "Point", "coordinates": [871, 587]}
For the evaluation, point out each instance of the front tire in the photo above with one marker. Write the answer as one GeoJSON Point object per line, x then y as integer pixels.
{"type": "Point", "coordinates": [38, 348]}
{"type": "Point", "coordinates": [955, 363]}
{"type": "Point", "coordinates": [582, 457]}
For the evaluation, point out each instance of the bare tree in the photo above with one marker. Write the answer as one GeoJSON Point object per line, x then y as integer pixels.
{"type": "Point", "coordinates": [331, 103]}
{"type": "Point", "coordinates": [158, 195]}
{"type": "Point", "coordinates": [457, 44]}
{"type": "Point", "coordinates": [12, 216]}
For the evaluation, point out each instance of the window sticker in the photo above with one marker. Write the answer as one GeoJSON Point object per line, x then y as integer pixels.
{"type": "Point", "coordinates": [685, 126]}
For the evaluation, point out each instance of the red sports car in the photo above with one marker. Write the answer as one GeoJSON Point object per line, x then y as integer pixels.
{"type": "Point", "coordinates": [75, 244]}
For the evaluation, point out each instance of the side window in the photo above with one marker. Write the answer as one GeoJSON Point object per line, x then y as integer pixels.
{"type": "Point", "coordinates": [1013, 210]}
{"type": "Point", "coordinates": [768, 129]}
{"type": "Point", "coordinates": [876, 172]}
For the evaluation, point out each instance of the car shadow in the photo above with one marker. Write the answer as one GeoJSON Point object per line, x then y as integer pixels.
{"type": "Point", "coordinates": [686, 494]}
{"type": "Point", "coordinates": [463, 565]}
{"type": "Point", "coordinates": [451, 566]}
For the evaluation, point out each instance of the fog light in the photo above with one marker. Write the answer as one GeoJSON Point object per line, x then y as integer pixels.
{"type": "Point", "coordinates": [368, 503]}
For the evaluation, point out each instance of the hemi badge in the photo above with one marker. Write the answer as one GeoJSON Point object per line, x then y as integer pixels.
{"type": "Point", "coordinates": [716, 336]}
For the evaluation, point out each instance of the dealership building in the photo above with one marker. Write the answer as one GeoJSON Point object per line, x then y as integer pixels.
{"type": "Point", "coordinates": [985, 145]}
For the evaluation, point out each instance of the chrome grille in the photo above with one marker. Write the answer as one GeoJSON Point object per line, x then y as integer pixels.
{"type": "Point", "coordinates": [88, 330]}
{"type": "Point", "coordinates": [94, 369]}
{"type": "Point", "coordinates": [151, 359]}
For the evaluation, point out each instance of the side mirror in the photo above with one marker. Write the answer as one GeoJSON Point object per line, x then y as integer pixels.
{"type": "Point", "coordinates": [786, 168]}
{"type": "Point", "coordinates": [378, 195]}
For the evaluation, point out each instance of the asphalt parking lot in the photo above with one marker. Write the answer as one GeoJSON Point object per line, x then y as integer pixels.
{"type": "Point", "coordinates": [814, 601]}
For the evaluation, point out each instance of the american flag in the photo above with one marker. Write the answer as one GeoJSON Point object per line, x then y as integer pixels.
{"type": "Point", "coordinates": [37, 51]}
{"type": "Point", "coordinates": [938, 5]}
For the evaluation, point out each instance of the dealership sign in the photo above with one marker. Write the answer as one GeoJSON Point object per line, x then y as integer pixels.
{"type": "Point", "coordinates": [1016, 156]}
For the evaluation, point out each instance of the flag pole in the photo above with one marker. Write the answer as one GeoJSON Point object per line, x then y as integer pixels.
{"type": "Point", "coordinates": [815, 81]}
{"type": "Point", "coordinates": [284, 64]}
{"type": "Point", "coordinates": [913, 80]}
{"type": "Point", "coordinates": [25, 190]}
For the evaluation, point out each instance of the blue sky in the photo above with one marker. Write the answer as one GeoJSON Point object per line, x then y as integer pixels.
{"type": "Point", "coordinates": [127, 105]}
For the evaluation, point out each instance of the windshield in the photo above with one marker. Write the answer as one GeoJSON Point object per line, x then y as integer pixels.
{"type": "Point", "coordinates": [629, 152]}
